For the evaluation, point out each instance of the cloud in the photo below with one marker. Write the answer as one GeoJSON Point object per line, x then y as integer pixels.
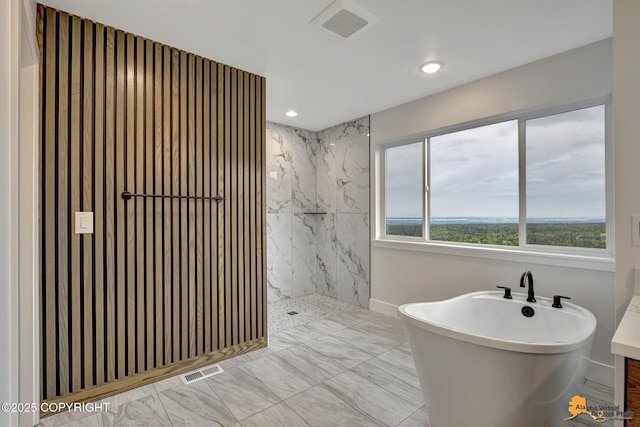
{"type": "Point", "coordinates": [481, 179]}
{"type": "Point", "coordinates": [565, 164]}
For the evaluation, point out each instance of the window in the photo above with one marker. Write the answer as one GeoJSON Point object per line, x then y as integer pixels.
{"type": "Point", "coordinates": [566, 179]}
{"type": "Point", "coordinates": [532, 180]}
{"type": "Point", "coordinates": [474, 185]}
{"type": "Point", "coordinates": [404, 190]}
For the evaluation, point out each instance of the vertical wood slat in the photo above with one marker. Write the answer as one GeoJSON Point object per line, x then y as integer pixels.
{"type": "Point", "coordinates": [184, 233]}
{"type": "Point", "coordinates": [246, 215]}
{"type": "Point", "coordinates": [131, 215]}
{"type": "Point", "coordinates": [75, 122]}
{"type": "Point", "coordinates": [191, 152]}
{"type": "Point", "coordinates": [49, 204]}
{"type": "Point", "coordinates": [167, 220]}
{"type": "Point", "coordinates": [98, 200]}
{"type": "Point", "coordinates": [140, 217]}
{"type": "Point", "coordinates": [230, 196]}
{"type": "Point", "coordinates": [120, 220]}
{"type": "Point", "coordinates": [213, 156]}
{"type": "Point", "coordinates": [175, 204]}
{"type": "Point", "coordinates": [253, 218]}
{"type": "Point", "coordinates": [240, 192]}
{"type": "Point", "coordinates": [221, 210]}
{"type": "Point", "coordinates": [109, 199]}
{"type": "Point", "coordinates": [158, 205]}
{"type": "Point", "coordinates": [62, 202]}
{"type": "Point", "coordinates": [198, 159]}
{"type": "Point", "coordinates": [206, 187]}
{"type": "Point", "coordinates": [259, 220]}
{"type": "Point", "coordinates": [235, 241]}
{"type": "Point", "coordinates": [149, 208]}
{"type": "Point", "coordinates": [159, 281]}
{"type": "Point", "coordinates": [87, 204]}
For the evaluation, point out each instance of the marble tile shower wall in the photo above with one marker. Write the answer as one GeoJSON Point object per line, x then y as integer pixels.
{"type": "Point", "coordinates": [328, 172]}
{"type": "Point", "coordinates": [291, 191]}
{"type": "Point", "coordinates": [342, 169]}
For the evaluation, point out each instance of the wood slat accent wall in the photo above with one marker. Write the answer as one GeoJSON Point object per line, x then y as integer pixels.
{"type": "Point", "coordinates": [163, 285]}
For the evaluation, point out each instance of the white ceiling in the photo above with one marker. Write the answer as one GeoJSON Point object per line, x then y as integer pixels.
{"type": "Point", "coordinates": [329, 80]}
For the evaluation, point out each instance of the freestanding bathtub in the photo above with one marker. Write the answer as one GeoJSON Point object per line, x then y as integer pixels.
{"type": "Point", "coordinates": [483, 363]}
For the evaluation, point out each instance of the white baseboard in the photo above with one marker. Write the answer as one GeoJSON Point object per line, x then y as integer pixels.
{"type": "Point", "coordinates": [383, 307]}
{"type": "Point", "coordinates": [599, 373]}
{"type": "Point", "coordinates": [593, 371]}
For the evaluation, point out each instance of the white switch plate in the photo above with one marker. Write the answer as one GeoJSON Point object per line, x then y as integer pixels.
{"type": "Point", "coordinates": [635, 229]}
{"type": "Point", "coordinates": [84, 222]}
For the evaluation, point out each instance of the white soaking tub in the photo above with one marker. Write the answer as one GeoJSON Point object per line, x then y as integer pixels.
{"type": "Point", "coordinates": [483, 363]}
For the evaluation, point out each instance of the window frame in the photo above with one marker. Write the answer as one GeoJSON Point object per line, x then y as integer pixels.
{"type": "Point", "coordinates": [383, 197]}
{"type": "Point", "coordinates": [523, 247]}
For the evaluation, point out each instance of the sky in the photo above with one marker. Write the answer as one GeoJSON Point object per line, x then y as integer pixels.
{"type": "Point", "coordinates": [475, 172]}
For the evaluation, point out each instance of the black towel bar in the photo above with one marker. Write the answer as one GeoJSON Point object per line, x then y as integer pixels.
{"type": "Point", "coordinates": [127, 195]}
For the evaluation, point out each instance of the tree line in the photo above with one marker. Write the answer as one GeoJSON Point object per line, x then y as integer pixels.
{"type": "Point", "coordinates": [579, 235]}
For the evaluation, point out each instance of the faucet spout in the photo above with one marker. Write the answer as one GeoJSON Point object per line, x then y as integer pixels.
{"type": "Point", "coordinates": [528, 277]}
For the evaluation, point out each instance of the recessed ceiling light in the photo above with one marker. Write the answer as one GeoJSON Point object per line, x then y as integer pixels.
{"type": "Point", "coordinates": [291, 113]}
{"type": "Point", "coordinates": [431, 67]}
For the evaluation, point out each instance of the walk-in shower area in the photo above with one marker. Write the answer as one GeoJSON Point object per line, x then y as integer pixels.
{"type": "Point", "coordinates": [318, 212]}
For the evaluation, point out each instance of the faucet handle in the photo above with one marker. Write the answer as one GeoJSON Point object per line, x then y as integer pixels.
{"type": "Point", "coordinates": [556, 301]}
{"type": "Point", "coordinates": [507, 292]}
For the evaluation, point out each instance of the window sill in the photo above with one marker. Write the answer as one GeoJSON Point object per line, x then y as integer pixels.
{"type": "Point", "coordinates": [604, 262]}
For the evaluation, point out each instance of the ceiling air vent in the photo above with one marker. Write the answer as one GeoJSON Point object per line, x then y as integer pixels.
{"type": "Point", "coordinates": [344, 18]}
{"type": "Point", "coordinates": [344, 23]}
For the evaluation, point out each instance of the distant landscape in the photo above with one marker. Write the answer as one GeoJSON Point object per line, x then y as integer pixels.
{"type": "Point", "coordinates": [571, 232]}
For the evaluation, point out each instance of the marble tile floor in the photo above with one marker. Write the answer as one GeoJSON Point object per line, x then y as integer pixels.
{"type": "Point", "coordinates": [334, 365]}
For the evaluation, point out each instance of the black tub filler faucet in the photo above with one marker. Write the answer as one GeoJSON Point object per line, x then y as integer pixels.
{"type": "Point", "coordinates": [527, 276]}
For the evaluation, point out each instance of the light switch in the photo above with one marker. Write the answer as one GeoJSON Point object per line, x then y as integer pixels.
{"type": "Point", "coordinates": [84, 222]}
